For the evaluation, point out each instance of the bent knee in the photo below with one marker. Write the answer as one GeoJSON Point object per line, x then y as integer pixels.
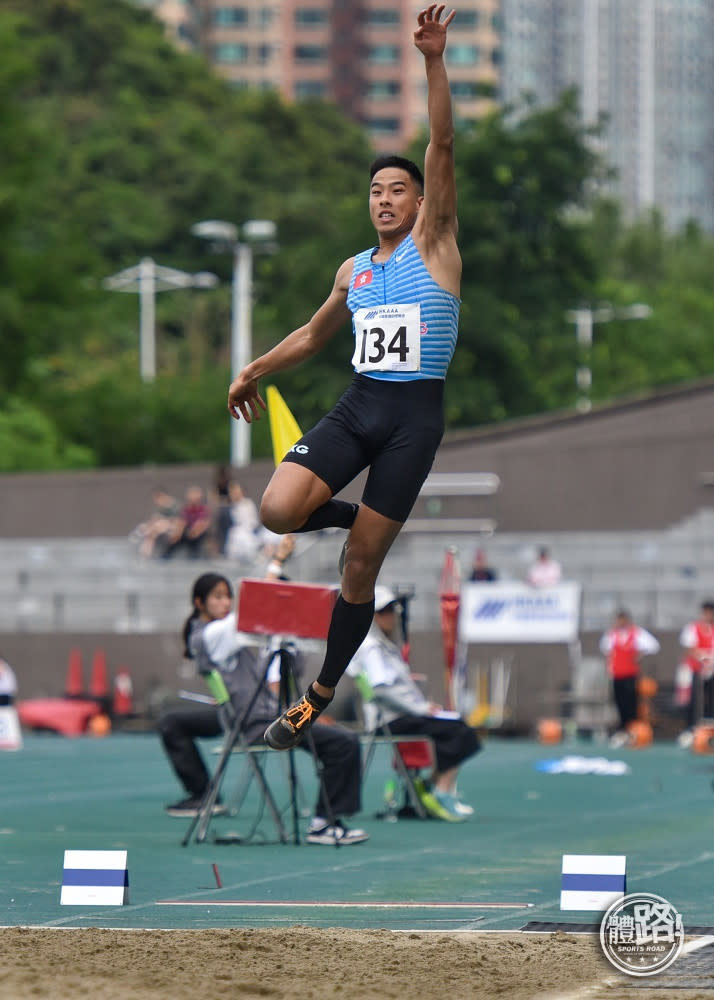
{"type": "Point", "coordinates": [362, 564]}
{"type": "Point", "coordinates": [277, 516]}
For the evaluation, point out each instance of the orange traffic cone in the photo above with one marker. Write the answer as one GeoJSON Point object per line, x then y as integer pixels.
{"type": "Point", "coordinates": [75, 681]}
{"type": "Point", "coordinates": [98, 683]}
{"type": "Point", "coordinates": [123, 693]}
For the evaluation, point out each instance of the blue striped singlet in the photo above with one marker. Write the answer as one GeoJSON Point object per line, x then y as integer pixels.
{"type": "Point", "coordinates": [403, 278]}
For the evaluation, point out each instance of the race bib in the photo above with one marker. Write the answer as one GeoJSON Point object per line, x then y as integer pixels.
{"type": "Point", "coordinates": [387, 338]}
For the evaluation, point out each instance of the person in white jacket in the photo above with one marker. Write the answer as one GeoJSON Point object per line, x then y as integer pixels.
{"type": "Point", "coordinates": [401, 703]}
{"type": "Point", "coordinates": [212, 639]}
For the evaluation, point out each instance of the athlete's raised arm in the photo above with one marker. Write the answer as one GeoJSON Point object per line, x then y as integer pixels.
{"type": "Point", "coordinates": [435, 229]}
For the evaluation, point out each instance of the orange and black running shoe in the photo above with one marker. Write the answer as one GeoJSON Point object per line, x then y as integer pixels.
{"type": "Point", "coordinates": [290, 727]}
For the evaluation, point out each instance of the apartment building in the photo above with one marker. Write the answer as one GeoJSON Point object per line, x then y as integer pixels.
{"type": "Point", "coordinates": [357, 53]}
{"type": "Point", "coordinates": [649, 66]}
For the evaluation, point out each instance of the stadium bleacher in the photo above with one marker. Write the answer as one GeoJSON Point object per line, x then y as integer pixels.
{"type": "Point", "coordinates": [101, 584]}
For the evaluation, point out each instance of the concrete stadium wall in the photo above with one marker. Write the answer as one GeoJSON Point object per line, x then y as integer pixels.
{"type": "Point", "coordinates": [642, 464]}
{"type": "Point", "coordinates": [638, 465]}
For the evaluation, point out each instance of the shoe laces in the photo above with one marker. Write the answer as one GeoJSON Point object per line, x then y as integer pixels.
{"type": "Point", "coordinates": [301, 714]}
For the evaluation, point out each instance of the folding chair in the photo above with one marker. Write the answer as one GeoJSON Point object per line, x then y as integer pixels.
{"type": "Point", "coordinates": [283, 611]}
{"type": "Point", "coordinates": [233, 740]}
{"type": "Point", "coordinates": [410, 753]}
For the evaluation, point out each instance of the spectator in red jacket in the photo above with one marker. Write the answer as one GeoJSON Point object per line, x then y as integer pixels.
{"type": "Point", "coordinates": [697, 638]}
{"type": "Point", "coordinates": [195, 525]}
{"type": "Point", "coordinates": [623, 645]}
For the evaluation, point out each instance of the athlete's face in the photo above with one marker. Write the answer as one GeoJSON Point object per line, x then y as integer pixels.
{"type": "Point", "coordinates": [394, 201]}
{"type": "Point", "coordinates": [217, 603]}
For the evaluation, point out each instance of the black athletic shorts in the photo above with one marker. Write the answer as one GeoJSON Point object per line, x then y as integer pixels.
{"type": "Point", "coordinates": [392, 428]}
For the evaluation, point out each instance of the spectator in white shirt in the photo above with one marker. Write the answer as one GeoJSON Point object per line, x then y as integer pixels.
{"type": "Point", "coordinates": [545, 571]}
{"type": "Point", "coordinates": [400, 702]}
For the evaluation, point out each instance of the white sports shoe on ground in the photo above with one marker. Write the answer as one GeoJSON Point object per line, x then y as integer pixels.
{"type": "Point", "coordinates": [337, 834]}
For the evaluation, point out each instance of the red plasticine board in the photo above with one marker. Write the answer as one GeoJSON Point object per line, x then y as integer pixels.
{"type": "Point", "coordinates": [275, 607]}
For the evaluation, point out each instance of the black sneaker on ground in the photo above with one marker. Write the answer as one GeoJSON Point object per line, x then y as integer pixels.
{"type": "Point", "coordinates": [191, 807]}
{"type": "Point", "coordinates": [290, 727]}
{"type": "Point", "coordinates": [337, 834]}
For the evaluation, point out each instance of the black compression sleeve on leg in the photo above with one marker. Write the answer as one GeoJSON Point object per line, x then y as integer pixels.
{"type": "Point", "coordinates": [348, 628]}
{"type": "Point", "coordinates": [333, 514]}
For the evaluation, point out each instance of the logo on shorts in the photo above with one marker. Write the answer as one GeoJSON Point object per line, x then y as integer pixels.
{"type": "Point", "coordinates": [641, 934]}
{"type": "Point", "coordinates": [300, 449]}
{"type": "Point", "coordinates": [365, 278]}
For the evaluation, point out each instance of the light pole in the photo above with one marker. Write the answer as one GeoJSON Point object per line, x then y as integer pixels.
{"type": "Point", "coordinates": [585, 319]}
{"type": "Point", "coordinates": [255, 234]}
{"type": "Point", "coordinates": [147, 278]}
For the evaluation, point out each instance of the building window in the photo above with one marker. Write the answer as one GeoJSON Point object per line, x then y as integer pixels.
{"type": "Point", "coordinates": [383, 126]}
{"type": "Point", "coordinates": [385, 55]}
{"type": "Point", "coordinates": [464, 90]}
{"type": "Point", "coordinates": [383, 18]}
{"type": "Point", "coordinates": [266, 15]}
{"type": "Point", "coordinates": [465, 20]}
{"type": "Point", "coordinates": [230, 52]}
{"type": "Point", "coordinates": [310, 17]}
{"type": "Point", "coordinates": [230, 17]}
{"type": "Point", "coordinates": [310, 53]}
{"type": "Point", "coordinates": [305, 89]}
{"type": "Point", "coordinates": [265, 54]}
{"type": "Point", "coordinates": [383, 90]}
{"type": "Point", "coordinates": [462, 55]}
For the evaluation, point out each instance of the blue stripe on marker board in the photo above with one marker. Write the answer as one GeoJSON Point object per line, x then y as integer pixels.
{"type": "Point", "coordinates": [592, 883]}
{"type": "Point", "coordinates": [95, 877]}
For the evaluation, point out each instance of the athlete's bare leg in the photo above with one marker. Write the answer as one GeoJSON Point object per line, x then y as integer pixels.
{"type": "Point", "coordinates": [292, 494]}
{"type": "Point", "coordinates": [368, 543]}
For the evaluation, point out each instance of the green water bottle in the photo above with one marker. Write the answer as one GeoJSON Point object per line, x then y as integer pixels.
{"type": "Point", "coordinates": [390, 800]}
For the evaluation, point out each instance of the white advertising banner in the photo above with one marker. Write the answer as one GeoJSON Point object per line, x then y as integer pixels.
{"type": "Point", "coordinates": [515, 612]}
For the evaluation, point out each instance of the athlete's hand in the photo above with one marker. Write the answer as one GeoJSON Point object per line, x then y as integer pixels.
{"type": "Point", "coordinates": [244, 400]}
{"type": "Point", "coordinates": [430, 36]}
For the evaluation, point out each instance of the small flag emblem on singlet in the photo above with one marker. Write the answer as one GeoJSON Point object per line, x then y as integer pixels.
{"type": "Point", "coordinates": [365, 278]}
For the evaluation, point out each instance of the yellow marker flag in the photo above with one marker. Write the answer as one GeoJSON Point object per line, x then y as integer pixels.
{"type": "Point", "coordinates": [284, 429]}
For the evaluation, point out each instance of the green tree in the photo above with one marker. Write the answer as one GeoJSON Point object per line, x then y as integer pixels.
{"type": "Point", "coordinates": [526, 259]}
{"type": "Point", "coordinates": [114, 144]}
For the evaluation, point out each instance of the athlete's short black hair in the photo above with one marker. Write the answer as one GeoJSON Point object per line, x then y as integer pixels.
{"type": "Point", "coordinates": [391, 160]}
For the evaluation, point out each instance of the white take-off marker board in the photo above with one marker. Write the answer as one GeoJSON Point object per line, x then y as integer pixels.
{"type": "Point", "coordinates": [95, 878]}
{"type": "Point", "coordinates": [592, 881]}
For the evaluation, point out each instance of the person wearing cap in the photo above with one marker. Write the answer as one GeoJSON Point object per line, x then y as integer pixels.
{"type": "Point", "coordinates": [409, 712]}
